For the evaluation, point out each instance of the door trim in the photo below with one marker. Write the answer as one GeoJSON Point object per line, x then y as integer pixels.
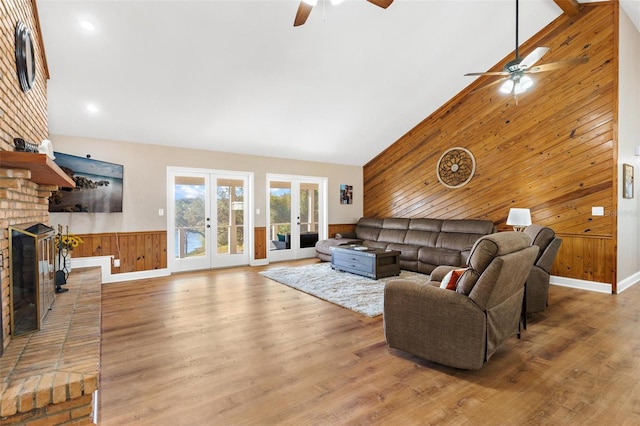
{"type": "Point", "coordinates": [323, 210]}
{"type": "Point", "coordinates": [249, 219]}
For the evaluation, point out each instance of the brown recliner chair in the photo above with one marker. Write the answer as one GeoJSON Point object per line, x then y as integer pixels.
{"type": "Point", "coordinates": [463, 328]}
{"type": "Point", "coordinates": [537, 287]}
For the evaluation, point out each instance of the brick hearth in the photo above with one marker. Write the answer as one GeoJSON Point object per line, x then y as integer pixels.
{"type": "Point", "coordinates": [51, 376]}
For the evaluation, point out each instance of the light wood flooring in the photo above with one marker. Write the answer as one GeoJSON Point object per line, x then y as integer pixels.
{"type": "Point", "coordinates": [230, 347]}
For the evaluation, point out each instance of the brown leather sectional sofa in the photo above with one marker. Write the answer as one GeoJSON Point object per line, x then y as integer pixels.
{"type": "Point", "coordinates": [424, 244]}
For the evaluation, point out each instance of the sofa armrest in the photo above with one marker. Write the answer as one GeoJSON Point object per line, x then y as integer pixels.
{"type": "Point", "coordinates": [340, 235]}
{"type": "Point", "coordinates": [440, 271]}
{"type": "Point", "coordinates": [549, 255]}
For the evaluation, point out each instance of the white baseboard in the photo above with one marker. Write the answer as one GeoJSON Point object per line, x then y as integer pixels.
{"type": "Point", "coordinates": [581, 284]}
{"type": "Point", "coordinates": [628, 282]}
{"type": "Point", "coordinates": [104, 262]}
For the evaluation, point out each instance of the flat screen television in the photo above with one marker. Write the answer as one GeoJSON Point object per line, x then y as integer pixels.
{"type": "Point", "coordinates": [98, 186]}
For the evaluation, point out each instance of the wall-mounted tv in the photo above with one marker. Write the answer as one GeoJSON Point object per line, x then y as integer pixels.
{"type": "Point", "coordinates": [98, 186]}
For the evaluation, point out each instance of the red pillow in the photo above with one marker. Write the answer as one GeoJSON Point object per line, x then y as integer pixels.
{"type": "Point", "coordinates": [451, 279]}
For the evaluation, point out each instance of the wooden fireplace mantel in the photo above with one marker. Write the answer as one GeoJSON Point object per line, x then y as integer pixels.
{"type": "Point", "coordinates": [44, 170]}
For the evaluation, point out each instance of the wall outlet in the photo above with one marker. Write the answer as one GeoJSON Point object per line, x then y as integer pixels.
{"type": "Point", "coordinates": [116, 263]}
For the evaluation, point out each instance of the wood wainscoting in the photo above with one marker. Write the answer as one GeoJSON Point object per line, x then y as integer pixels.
{"type": "Point", "coordinates": [589, 258]}
{"type": "Point", "coordinates": [144, 251]}
{"type": "Point", "coordinates": [260, 242]}
{"type": "Point", "coordinates": [341, 228]}
{"type": "Point", "coordinates": [137, 251]}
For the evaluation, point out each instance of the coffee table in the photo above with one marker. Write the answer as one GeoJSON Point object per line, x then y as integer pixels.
{"type": "Point", "coordinates": [368, 262]}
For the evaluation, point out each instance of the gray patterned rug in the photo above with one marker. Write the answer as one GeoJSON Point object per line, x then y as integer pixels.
{"type": "Point", "coordinates": [360, 294]}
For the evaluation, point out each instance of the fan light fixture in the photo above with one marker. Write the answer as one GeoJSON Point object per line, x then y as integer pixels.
{"type": "Point", "coordinates": [516, 85]}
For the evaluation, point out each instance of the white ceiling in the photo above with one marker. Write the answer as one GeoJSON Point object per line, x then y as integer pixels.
{"type": "Point", "coordinates": [236, 76]}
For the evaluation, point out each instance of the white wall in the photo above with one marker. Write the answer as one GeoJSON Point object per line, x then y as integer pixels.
{"type": "Point", "coordinates": [628, 265]}
{"type": "Point", "coordinates": [145, 168]}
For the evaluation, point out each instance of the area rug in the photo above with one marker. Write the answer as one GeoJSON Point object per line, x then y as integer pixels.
{"type": "Point", "coordinates": [360, 294]}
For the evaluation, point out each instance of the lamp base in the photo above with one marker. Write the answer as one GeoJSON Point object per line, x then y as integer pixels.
{"type": "Point", "coordinates": [519, 228]}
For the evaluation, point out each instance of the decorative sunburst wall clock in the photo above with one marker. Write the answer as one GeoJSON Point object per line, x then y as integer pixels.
{"type": "Point", "coordinates": [456, 167]}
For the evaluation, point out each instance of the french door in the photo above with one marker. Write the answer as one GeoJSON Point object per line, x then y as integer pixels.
{"type": "Point", "coordinates": [297, 207]}
{"type": "Point", "coordinates": [208, 220]}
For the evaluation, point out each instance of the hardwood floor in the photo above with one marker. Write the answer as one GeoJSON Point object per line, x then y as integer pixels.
{"type": "Point", "coordinates": [230, 347]}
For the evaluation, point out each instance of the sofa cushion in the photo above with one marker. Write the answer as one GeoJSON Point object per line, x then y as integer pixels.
{"type": "Point", "coordinates": [421, 238]}
{"type": "Point", "coordinates": [431, 225]}
{"type": "Point", "coordinates": [368, 228]}
{"type": "Point", "coordinates": [461, 234]}
{"type": "Point", "coordinates": [423, 232]}
{"type": "Point", "coordinates": [439, 256]}
{"type": "Point", "coordinates": [392, 235]}
{"type": "Point", "coordinates": [407, 251]}
{"type": "Point", "coordinates": [468, 226]}
{"type": "Point", "coordinates": [375, 244]}
{"type": "Point", "coordinates": [396, 223]}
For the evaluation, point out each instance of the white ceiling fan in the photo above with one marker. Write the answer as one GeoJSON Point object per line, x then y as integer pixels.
{"type": "Point", "coordinates": [514, 74]}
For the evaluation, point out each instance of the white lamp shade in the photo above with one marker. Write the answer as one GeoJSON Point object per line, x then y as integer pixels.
{"type": "Point", "coordinates": [519, 217]}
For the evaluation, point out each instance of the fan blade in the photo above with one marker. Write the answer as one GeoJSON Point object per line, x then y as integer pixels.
{"type": "Point", "coordinates": [493, 83]}
{"type": "Point", "coordinates": [488, 73]}
{"type": "Point", "coordinates": [533, 57]}
{"type": "Point", "coordinates": [382, 3]}
{"type": "Point", "coordinates": [552, 66]}
{"type": "Point", "coordinates": [303, 13]}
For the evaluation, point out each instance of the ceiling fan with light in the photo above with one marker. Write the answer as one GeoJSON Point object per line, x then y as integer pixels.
{"type": "Point", "coordinates": [514, 74]}
{"type": "Point", "coordinates": [306, 5]}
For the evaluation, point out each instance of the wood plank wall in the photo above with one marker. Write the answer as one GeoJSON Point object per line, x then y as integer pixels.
{"type": "Point", "coordinates": [137, 251]}
{"type": "Point", "coordinates": [554, 151]}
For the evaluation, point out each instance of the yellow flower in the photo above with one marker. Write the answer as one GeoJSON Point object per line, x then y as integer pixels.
{"type": "Point", "coordinates": [68, 241]}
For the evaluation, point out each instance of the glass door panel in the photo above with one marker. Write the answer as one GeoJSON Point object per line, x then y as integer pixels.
{"type": "Point", "coordinates": [231, 210]}
{"type": "Point", "coordinates": [279, 232]}
{"type": "Point", "coordinates": [191, 224]}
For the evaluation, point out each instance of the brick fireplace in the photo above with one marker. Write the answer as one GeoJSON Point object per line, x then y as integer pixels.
{"type": "Point", "coordinates": [38, 378]}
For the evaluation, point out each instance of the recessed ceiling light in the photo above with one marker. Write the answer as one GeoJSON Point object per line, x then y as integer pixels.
{"type": "Point", "coordinates": [92, 108]}
{"type": "Point", "coordinates": [87, 25]}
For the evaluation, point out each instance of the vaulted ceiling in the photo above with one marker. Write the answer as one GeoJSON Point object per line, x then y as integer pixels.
{"type": "Point", "coordinates": [236, 76]}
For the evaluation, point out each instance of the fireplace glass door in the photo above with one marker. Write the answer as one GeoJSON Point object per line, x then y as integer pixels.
{"type": "Point", "coordinates": [31, 249]}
